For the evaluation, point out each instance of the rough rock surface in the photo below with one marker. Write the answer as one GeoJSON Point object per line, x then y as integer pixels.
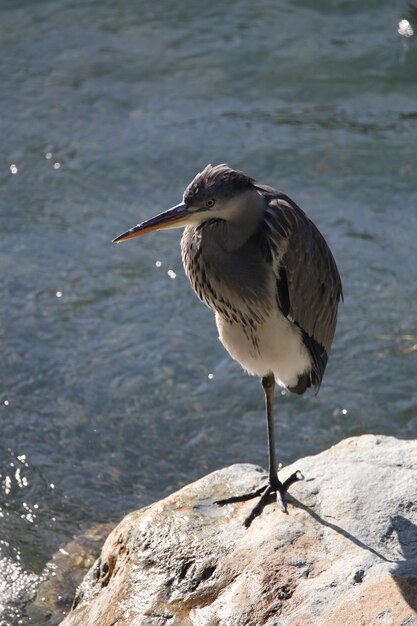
{"type": "Point", "coordinates": [345, 555]}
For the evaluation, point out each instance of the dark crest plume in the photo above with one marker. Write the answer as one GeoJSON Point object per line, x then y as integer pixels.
{"type": "Point", "coordinates": [217, 180]}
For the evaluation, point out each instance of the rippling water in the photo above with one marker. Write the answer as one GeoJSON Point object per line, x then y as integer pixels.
{"type": "Point", "coordinates": [114, 389]}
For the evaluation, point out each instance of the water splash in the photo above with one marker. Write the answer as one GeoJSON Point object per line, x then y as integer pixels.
{"type": "Point", "coordinates": [17, 588]}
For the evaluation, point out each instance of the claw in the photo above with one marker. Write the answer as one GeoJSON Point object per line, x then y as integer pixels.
{"type": "Point", "coordinates": [279, 488]}
{"type": "Point", "coordinates": [281, 502]}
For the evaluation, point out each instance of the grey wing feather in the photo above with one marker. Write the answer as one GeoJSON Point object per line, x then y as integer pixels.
{"type": "Point", "coordinates": [307, 270]}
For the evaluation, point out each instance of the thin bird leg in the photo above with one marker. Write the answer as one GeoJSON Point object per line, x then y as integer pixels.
{"type": "Point", "coordinates": [268, 384]}
{"type": "Point", "coordinates": [274, 486]}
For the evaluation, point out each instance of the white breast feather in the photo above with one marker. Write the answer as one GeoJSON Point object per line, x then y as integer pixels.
{"type": "Point", "coordinates": [279, 348]}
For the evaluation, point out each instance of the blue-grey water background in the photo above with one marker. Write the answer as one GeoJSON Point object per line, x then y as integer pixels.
{"type": "Point", "coordinates": [114, 388]}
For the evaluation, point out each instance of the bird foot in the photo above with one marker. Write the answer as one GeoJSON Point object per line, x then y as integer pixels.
{"type": "Point", "coordinates": [274, 486]}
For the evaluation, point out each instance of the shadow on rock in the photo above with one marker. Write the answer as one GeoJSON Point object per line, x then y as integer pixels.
{"type": "Point", "coordinates": [338, 529]}
{"type": "Point", "coordinates": [405, 571]}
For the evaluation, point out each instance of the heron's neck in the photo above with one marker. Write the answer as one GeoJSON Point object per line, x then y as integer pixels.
{"type": "Point", "coordinates": [243, 219]}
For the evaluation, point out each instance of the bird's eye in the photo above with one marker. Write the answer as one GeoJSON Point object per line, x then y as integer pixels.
{"type": "Point", "coordinates": [210, 203]}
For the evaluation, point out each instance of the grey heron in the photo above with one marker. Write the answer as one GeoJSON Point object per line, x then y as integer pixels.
{"type": "Point", "coordinates": [264, 269]}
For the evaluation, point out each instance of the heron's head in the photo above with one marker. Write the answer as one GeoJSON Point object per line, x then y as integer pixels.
{"type": "Point", "coordinates": [218, 192]}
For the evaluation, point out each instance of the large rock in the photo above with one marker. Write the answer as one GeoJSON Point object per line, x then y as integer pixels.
{"type": "Point", "coordinates": [345, 555]}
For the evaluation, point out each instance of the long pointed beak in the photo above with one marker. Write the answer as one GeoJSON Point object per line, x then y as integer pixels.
{"type": "Point", "coordinates": [173, 218]}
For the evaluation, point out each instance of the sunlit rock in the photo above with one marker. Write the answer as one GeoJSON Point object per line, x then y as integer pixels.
{"type": "Point", "coordinates": [346, 553]}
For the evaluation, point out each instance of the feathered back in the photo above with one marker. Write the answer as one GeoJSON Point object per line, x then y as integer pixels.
{"type": "Point", "coordinates": [309, 287]}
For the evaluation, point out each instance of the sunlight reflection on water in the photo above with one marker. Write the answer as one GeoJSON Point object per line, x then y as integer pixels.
{"type": "Point", "coordinates": [405, 29]}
